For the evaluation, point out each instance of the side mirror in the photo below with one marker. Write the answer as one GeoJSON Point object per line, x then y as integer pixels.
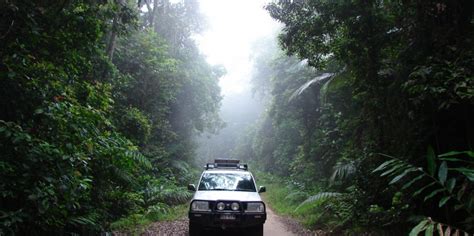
{"type": "Point", "coordinates": [262, 189]}
{"type": "Point", "coordinates": [191, 187]}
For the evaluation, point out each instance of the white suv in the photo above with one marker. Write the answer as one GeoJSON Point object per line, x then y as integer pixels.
{"type": "Point", "coordinates": [226, 197]}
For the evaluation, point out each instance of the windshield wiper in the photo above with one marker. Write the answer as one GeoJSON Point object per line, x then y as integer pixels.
{"type": "Point", "coordinates": [245, 190]}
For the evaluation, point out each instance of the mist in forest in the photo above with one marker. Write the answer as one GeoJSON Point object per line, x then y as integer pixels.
{"type": "Point", "coordinates": [239, 113]}
{"type": "Point", "coordinates": [357, 115]}
{"type": "Point", "coordinates": [234, 42]}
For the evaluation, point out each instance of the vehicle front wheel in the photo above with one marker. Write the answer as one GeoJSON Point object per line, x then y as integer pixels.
{"type": "Point", "coordinates": [194, 229]}
{"type": "Point", "coordinates": [257, 230]}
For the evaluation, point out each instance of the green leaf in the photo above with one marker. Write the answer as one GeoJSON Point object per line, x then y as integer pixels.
{"type": "Point", "coordinates": [451, 153]}
{"type": "Point", "coordinates": [443, 201]}
{"type": "Point", "coordinates": [38, 111]}
{"type": "Point", "coordinates": [450, 159]}
{"type": "Point", "coordinates": [432, 194]}
{"type": "Point", "coordinates": [398, 177]}
{"type": "Point", "coordinates": [470, 153]}
{"type": "Point", "coordinates": [422, 189]}
{"type": "Point", "coordinates": [469, 173]}
{"type": "Point", "coordinates": [443, 172]}
{"type": "Point", "coordinates": [319, 196]}
{"type": "Point", "coordinates": [440, 228]}
{"type": "Point", "coordinates": [450, 184]}
{"type": "Point", "coordinates": [447, 232]}
{"type": "Point", "coordinates": [419, 228]}
{"type": "Point", "coordinates": [139, 158]}
{"type": "Point", "coordinates": [394, 168]}
{"type": "Point", "coordinates": [463, 170]}
{"type": "Point", "coordinates": [459, 207]}
{"type": "Point", "coordinates": [412, 181]}
{"type": "Point", "coordinates": [429, 230]}
{"type": "Point", "coordinates": [430, 157]}
{"type": "Point", "coordinates": [11, 74]}
{"type": "Point", "coordinates": [383, 165]}
{"type": "Point", "coordinates": [454, 153]}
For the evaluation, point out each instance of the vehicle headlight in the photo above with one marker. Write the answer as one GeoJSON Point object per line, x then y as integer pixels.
{"type": "Point", "coordinates": [255, 207]}
{"type": "Point", "coordinates": [234, 206]}
{"type": "Point", "coordinates": [200, 206]}
{"type": "Point", "coordinates": [220, 206]}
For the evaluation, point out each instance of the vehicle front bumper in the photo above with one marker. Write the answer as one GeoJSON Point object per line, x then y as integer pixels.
{"type": "Point", "coordinates": [214, 219]}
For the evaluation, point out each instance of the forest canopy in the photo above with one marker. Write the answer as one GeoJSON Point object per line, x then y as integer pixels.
{"type": "Point", "coordinates": [365, 114]}
{"type": "Point", "coordinates": [362, 89]}
{"type": "Point", "coordinates": [99, 101]}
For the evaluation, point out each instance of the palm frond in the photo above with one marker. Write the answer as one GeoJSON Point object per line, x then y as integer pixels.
{"type": "Point", "coordinates": [325, 88]}
{"type": "Point", "coordinates": [331, 83]}
{"type": "Point", "coordinates": [319, 79]}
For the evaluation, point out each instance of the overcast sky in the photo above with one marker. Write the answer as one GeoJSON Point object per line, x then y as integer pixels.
{"type": "Point", "coordinates": [233, 26]}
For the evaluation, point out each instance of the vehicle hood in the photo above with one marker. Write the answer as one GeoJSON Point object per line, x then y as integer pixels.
{"type": "Point", "coordinates": [227, 195]}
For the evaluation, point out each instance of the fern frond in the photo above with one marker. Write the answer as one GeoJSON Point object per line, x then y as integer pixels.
{"type": "Point", "coordinates": [170, 195]}
{"type": "Point", "coordinates": [182, 166]}
{"type": "Point", "coordinates": [122, 175]}
{"type": "Point", "coordinates": [159, 208]}
{"type": "Point", "coordinates": [138, 158]}
{"type": "Point", "coordinates": [320, 196]}
{"type": "Point", "coordinates": [89, 220]}
{"type": "Point", "coordinates": [296, 196]}
{"type": "Point", "coordinates": [175, 196]}
{"type": "Point", "coordinates": [343, 170]}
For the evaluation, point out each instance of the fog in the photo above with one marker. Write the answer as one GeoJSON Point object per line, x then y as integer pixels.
{"type": "Point", "coordinates": [238, 112]}
{"type": "Point", "coordinates": [234, 30]}
{"type": "Point", "coordinates": [362, 121]}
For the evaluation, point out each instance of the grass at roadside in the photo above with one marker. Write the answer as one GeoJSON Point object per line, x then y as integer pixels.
{"type": "Point", "coordinates": [285, 199]}
{"type": "Point", "coordinates": [137, 223]}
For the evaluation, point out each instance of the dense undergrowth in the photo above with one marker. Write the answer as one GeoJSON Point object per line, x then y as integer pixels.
{"type": "Point", "coordinates": [354, 85]}
{"type": "Point", "coordinates": [284, 198]}
{"type": "Point", "coordinates": [328, 212]}
{"type": "Point", "coordinates": [137, 223]}
{"type": "Point", "coordinates": [100, 101]}
{"type": "Point", "coordinates": [98, 109]}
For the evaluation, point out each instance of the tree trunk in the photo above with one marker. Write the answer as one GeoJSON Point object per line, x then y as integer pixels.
{"type": "Point", "coordinates": [112, 34]}
{"type": "Point", "coordinates": [152, 18]}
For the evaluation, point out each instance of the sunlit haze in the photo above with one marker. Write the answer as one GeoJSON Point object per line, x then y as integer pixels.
{"type": "Point", "coordinates": [233, 25]}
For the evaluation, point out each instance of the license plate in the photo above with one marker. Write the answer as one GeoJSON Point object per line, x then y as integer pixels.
{"type": "Point", "coordinates": [227, 217]}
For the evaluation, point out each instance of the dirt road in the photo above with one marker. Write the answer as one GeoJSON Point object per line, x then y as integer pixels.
{"type": "Point", "coordinates": [274, 226]}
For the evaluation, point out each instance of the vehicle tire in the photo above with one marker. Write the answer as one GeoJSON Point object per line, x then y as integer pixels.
{"type": "Point", "coordinates": [194, 229]}
{"type": "Point", "coordinates": [257, 230]}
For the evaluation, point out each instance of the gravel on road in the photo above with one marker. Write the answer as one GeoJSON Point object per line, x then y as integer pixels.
{"type": "Point", "coordinates": [274, 226]}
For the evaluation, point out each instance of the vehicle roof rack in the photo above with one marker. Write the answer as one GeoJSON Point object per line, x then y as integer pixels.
{"type": "Point", "coordinates": [226, 164]}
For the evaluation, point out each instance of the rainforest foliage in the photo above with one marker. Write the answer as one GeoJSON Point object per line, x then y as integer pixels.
{"type": "Point", "coordinates": [370, 112]}
{"type": "Point", "coordinates": [99, 101]}
{"type": "Point", "coordinates": [369, 115]}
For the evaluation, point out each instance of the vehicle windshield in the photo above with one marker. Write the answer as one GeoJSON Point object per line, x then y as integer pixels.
{"type": "Point", "coordinates": [227, 182]}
